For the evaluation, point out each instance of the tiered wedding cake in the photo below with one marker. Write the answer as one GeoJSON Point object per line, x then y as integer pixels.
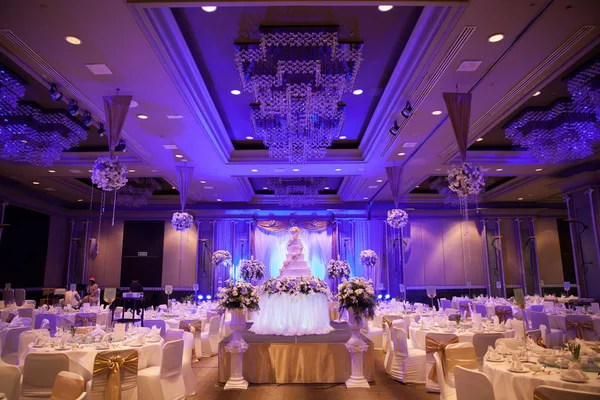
{"type": "Point", "coordinates": [295, 265]}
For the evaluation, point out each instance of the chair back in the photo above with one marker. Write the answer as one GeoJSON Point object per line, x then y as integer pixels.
{"type": "Point", "coordinates": [39, 322]}
{"type": "Point", "coordinates": [67, 386]}
{"type": "Point", "coordinates": [554, 393]}
{"type": "Point", "coordinates": [214, 325]}
{"type": "Point", "coordinates": [188, 345]}
{"type": "Point", "coordinates": [449, 311]}
{"type": "Point", "coordinates": [10, 347]}
{"type": "Point", "coordinates": [19, 297]}
{"type": "Point", "coordinates": [503, 313]}
{"type": "Point", "coordinates": [446, 304]}
{"type": "Point", "coordinates": [10, 381]}
{"type": "Point", "coordinates": [104, 378]}
{"type": "Point", "coordinates": [8, 295]}
{"type": "Point", "coordinates": [446, 392]}
{"type": "Point", "coordinates": [171, 359]}
{"type": "Point", "coordinates": [40, 371]}
{"type": "Point", "coordinates": [26, 338]}
{"type": "Point", "coordinates": [537, 307]}
{"type": "Point", "coordinates": [400, 341]}
{"type": "Point", "coordinates": [434, 343]}
{"type": "Point", "coordinates": [472, 385]}
{"type": "Point", "coordinates": [26, 312]}
{"type": "Point", "coordinates": [481, 309]}
{"type": "Point", "coordinates": [519, 327]}
{"type": "Point", "coordinates": [85, 319]}
{"type": "Point", "coordinates": [595, 308]}
{"type": "Point", "coordinates": [159, 323]}
{"type": "Point", "coordinates": [580, 327]}
{"type": "Point", "coordinates": [30, 303]}
{"type": "Point", "coordinates": [481, 341]}
{"type": "Point", "coordinates": [173, 334]}
{"type": "Point", "coordinates": [538, 318]}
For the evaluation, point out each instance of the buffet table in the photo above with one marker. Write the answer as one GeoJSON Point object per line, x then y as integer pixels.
{"type": "Point", "coordinates": [292, 315]}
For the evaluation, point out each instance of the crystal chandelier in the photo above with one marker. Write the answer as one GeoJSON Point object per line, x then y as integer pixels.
{"type": "Point", "coordinates": [30, 134]}
{"type": "Point", "coordinates": [296, 192]}
{"type": "Point", "coordinates": [137, 191]}
{"type": "Point", "coordinates": [584, 85]}
{"type": "Point", "coordinates": [565, 130]}
{"type": "Point", "coordinates": [297, 77]}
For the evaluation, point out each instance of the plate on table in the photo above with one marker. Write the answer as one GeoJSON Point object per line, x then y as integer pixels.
{"type": "Point", "coordinates": [100, 347]}
{"type": "Point", "coordinates": [521, 371]}
{"type": "Point", "coordinates": [495, 361]}
{"type": "Point", "coordinates": [63, 348]}
{"type": "Point", "coordinates": [153, 340]}
{"type": "Point", "coordinates": [134, 345]}
{"type": "Point", "coordinates": [574, 380]}
{"type": "Point", "coordinates": [36, 346]}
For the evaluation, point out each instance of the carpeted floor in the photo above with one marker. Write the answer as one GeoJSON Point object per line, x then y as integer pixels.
{"type": "Point", "coordinates": [384, 387]}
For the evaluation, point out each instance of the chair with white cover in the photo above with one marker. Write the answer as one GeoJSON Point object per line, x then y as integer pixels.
{"type": "Point", "coordinates": [27, 338]}
{"type": "Point", "coordinates": [535, 335]}
{"type": "Point", "coordinates": [408, 363]}
{"type": "Point", "coordinates": [186, 364]}
{"type": "Point", "coordinates": [580, 327]}
{"type": "Point", "coordinates": [128, 373]}
{"type": "Point", "coordinates": [85, 319]}
{"type": "Point", "coordinates": [173, 334]}
{"type": "Point", "coordinates": [537, 307]}
{"type": "Point", "coordinates": [450, 311]}
{"type": "Point", "coordinates": [554, 393]}
{"type": "Point", "coordinates": [481, 341]}
{"type": "Point", "coordinates": [446, 304]}
{"type": "Point", "coordinates": [374, 334]}
{"type": "Point", "coordinates": [159, 323]}
{"type": "Point", "coordinates": [68, 386]}
{"type": "Point", "coordinates": [40, 372]}
{"type": "Point", "coordinates": [19, 297]}
{"type": "Point", "coordinates": [10, 347]}
{"type": "Point", "coordinates": [10, 381]}
{"type": "Point", "coordinates": [433, 343]}
{"type": "Point", "coordinates": [554, 336]}
{"type": "Point", "coordinates": [164, 382]}
{"type": "Point", "coordinates": [472, 385]}
{"type": "Point", "coordinates": [446, 391]}
{"type": "Point", "coordinates": [210, 338]}
{"type": "Point", "coordinates": [511, 344]}
{"type": "Point", "coordinates": [388, 347]}
{"type": "Point", "coordinates": [195, 327]}
{"type": "Point", "coordinates": [481, 309]}
{"type": "Point", "coordinates": [504, 313]}
{"type": "Point", "coordinates": [519, 327]}
{"type": "Point", "coordinates": [26, 312]}
{"type": "Point", "coordinates": [49, 325]}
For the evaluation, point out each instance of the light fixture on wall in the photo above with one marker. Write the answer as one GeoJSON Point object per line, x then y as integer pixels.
{"type": "Point", "coordinates": [407, 111]}
{"type": "Point", "coordinates": [395, 129]}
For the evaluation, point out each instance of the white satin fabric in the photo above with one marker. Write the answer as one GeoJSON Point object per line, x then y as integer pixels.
{"type": "Point", "coordinates": [289, 315]}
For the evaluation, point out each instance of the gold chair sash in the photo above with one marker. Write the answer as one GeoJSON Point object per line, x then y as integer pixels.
{"type": "Point", "coordinates": [388, 322]}
{"type": "Point", "coordinates": [112, 366]}
{"type": "Point", "coordinates": [503, 314]}
{"type": "Point", "coordinates": [433, 346]}
{"type": "Point", "coordinates": [85, 321]}
{"type": "Point", "coordinates": [192, 328]}
{"type": "Point", "coordinates": [461, 357]}
{"type": "Point", "coordinates": [580, 326]}
{"type": "Point", "coordinates": [66, 388]}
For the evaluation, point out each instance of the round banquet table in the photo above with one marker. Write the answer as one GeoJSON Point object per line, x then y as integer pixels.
{"type": "Point", "coordinates": [418, 335]}
{"type": "Point", "coordinates": [292, 315]}
{"type": "Point", "coordinates": [520, 386]}
{"type": "Point", "coordinates": [81, 360]}
{"type": "Point", "coordinates": [558, 321]}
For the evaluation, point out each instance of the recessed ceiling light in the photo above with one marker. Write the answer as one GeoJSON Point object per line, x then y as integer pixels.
{"type": "Point", "coordinates": [172, 187]}
{"type": "Point", "coordinates": [209, 8]}
{"type": "Point", "coordinates": [184, 160]}
{"type": "Point", "coordinates": [326, 188]}
{"type": "Point", "coordinates": [538, 169]}
{"type": "Point", "coordinates": [169, 146]}
{"type": "Point", "coordinates": [373, 187]}
{"type": "Point", "coordinates": [254, 170]}
{"type": "Point", "coordinates": [361, 169]}
{"type": "Point", "coordinates": [480, 139]}
{"type": "Point", "coordinates": [203, 182]}
{"type": "Point", "coordinates": [80, 200]}
{"type": "Point", "coordinates": [219, 200]}
{"type": "Point", "coordinates": [23, 141]}
{"type": "Point", "coordinates": [468, 66]}
{"type": "Point", "coordinates": [99, 69]}
{"type": "Point", "coordinates": [385, 8]}
{"type": "Point", "coordinates": [75, 171]}
{"type": "Point", "coordinates": [265, 188]}
{"type": "Point", "coordinates": [142, 116]}
{"type": "Point", "coordinates": [51, 171]}
{"type": "Point", "coordinates": [133, 104]}
{"type": "Point", "coordinates": [131, 170]}
{"type": "Point", "coordinates": [89, 170]}
{"type": "Point", "coordinates": [178, 155]}
{"type": "Point", "coordinates": [498, 169]}
{"type": "Point", "coordinates": [209, 188]}
{"type": "Point", "coordinates": [342, 137]}
{"type": "Point", "coordinates": [537, 93]}
{"type": "Point", "coordinates": [338, 169]}
{"type": "Point", "coordinates": [436, 112]}
{"type": "Point", "coordinates": [409, 144]}
{"type": "Point", "coordinates": [174, 116]}
{"type": "Point", "coordinates": [249, 137]}
{"type": "Point", "coordinates": [236, 92]}
{"type": "Point", "coordinates": [295, 170]}
{"type": "Point", "coordinates": [401, 154]}
{"type": "Point", "coordinates": [520, 198]}
{"type": "Point", "coordinates": [36, 183]}
{"type": "Point", "coordinates": [417, 186]}
{"type": "Point", "coordinates": [73, 40]}
{"type": "Point", "coordinates": [496, 37]}
{"type": "Point", "coordinates": [379, 180]}
{"type": "Point", "coordinates": [357, 92]}
{"type": "Point", "coordinates": [365, 198]}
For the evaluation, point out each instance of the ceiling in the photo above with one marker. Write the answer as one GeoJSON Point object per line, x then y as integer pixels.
{"type": "Point", "coordinates": [179, 62]}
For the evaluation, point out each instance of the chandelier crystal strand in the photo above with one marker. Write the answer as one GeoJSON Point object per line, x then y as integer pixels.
{"type": "Point", "coordinates": [584, 85]}
{"type": "Point", "coordinates": [296, 192]}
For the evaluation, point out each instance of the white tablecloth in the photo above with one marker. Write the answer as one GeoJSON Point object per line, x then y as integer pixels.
{"type": "Point", "coordinates": [520, 386]}
{"type": "Point", "coordinates": [418, 336]}
{"type": "Point", "coordinates": [292, 315]}
{"type": "Point", "coordinates": [82, 360]}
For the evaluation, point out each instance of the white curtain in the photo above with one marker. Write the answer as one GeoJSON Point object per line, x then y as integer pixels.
{"type": "Point", "coordinates": [271, 249]}
{"type": "Point", "coordinates": [370, 235]}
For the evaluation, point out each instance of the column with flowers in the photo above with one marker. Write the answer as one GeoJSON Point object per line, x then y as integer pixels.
{"type": "Point", "coordinates": [221, 260]}
{"type": "Point", "coordinates": [337, 269]}
{"type": "Point", "coordinates": [368, 259]}
{"type": "Point", "coordinates": [357, 297]}
{"type": "Point", "coordinates": [252, 270]}
{"type": "Point", "coordinates": [238, 298]}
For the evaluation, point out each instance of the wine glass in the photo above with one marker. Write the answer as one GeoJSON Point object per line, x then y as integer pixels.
{"type": "Point", "coordinates": [168, 292]}
{"type": "Point", "coordinates": [431, 293]}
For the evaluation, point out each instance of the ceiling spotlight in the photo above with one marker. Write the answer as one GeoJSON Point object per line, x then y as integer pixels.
{"type": "Point", "coordinates": [178, 155]}
{"type": "Point", "coordinates": [342, 137]}
{"type": "Point", "coordinates": [131, 170]}
{"type": "Point", "coordinates": [219, 200]}
{"type": "Point", "coordinates": [55, 93]}
{"type": "Point", "coordinates": [520, 198]}
{"type": "Point", "coordinates": [326, 188]}
{"type": "Point", "coordinates": [203, 182]}
{"type": "Point", "coordinates": [365, 198]}
{"type": "Point", "coordinates": [295, 170]}
{"type": "Point", "coordinates": [73, 108]}
{"type": "Point", "coordinates": [51, 171]}
{"type": "Point", "coordinates": [254, 170]}
{"type": "Point", "coordinates": [338, 169]}
{"type": "Point", "coordinates": [73, 40]}
{"type": "Point", "coordinates": [249, 137]}
{"type": "Point", "coordinates": [357, 92]}
{"type": "Point", "coordinates": [265, 188]}
{"type": "Point", "coordinates": [498, 169]}
{"type": "Point", "coordinates": [407, 111]}
{"type": "Point", "coordinates": [236, 92]}
{"type": "Point", "coordinates": [537, 93]}
{"type": "Point", "coordinates": [36, 183]}
{"type": "Point", "coordinates": [417, 186]}
{"type": "Point", "coordinates": [209, 9]}
{"type": "Point", "coordinates": [87, 119]}
{"type": "Point", "coordinates": [538, 169]}
{"type": "Point", "coordinates": [142, 116]}
{"type": "Point", "coordinates": [436, 112]}
{"type": "Point", "coordinates": [80, 200]}
{"type": "Point", "coordinates": [379, 180]}
{"type": "Point", "coordinates": [385, 8]}
{"type": "Point", "coordinates": [401, 154]}
{"type": "Point", "coordinates": [496, 37]}
{"type": "Point", "coordinates": [101, 130]}
{"type": "Point", "coordinates": [395, 129]}
{"type": "Point", "coordinates": [480, 139]}
{"type": "Point", "coordinates": [121, 146]}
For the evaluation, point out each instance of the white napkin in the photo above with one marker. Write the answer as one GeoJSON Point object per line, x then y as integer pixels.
{"type": "Point", "coordinates": [16, 322]}
{"type": "Point", "coordinates": [97, 332]}
{"type": "Point", "coordinates": [104, 340]}
{"type": "Point", "coordinates": [63, 341]}
{"type": "Point", "coordinates": [154, 333]}
{"type": "Point", "coordinates": [491, 354]}
{"type": "Point", "coordinates": [496, 320]}
{"type": "Point", "coordinates": [515, 364]}
{"type": "Point", "coordinates": [39, 340]}
{"type": "Point", "coordinates": [502, 349]}
{"type": "Point", "coordinates": [574, 374]}
{"type": "Point", "coordinates": [476, 317]}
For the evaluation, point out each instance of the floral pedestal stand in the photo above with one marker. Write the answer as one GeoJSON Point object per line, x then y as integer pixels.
{"type": "Point", "coordinates": [356, 346]}
{"type": "Point", "coordinates": [236, 349]}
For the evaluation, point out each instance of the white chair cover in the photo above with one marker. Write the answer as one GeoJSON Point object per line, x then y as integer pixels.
{"type": "Point", "coordinates": [96, 386]}
{"type": "Point", "coordinates": [446, 392]}
{"type": "Point", "coordinates": [164, 382]}
{"type": "Point", "coordinates": [588, 334]}
{"type": "Point", "coordinates": [173, 334]}
{"type": "Point", "coordinates": [10, 381]}
{"type": "Point", "coordinates": [10, 347]}
{"type": "Point", "coordinates": [472, 385]}
{"type": "Point", "coordinates": [553, 393]}
{"type": "Point", "coordinates": [68, 386]}
{"type": "Point", "coordinates": [210, 339]}
{"type": "Point", "coordinates": [26, 312]}
{"type": "Point", "coordinates": [481, 309]}
{"type": "Point", "coordinates": [39, 374]}
{"type": "Point", "coordinates": [186, 365]}
{"type": "Point", "coordinates": [159, 323]}
{"type": "Point", "coordinates": [408, 363]}
{"type": "Point", "coordinates": [430, 385]}
{"type": "Point", "coordinates": [450, 311]}
{"type": "Point", "coordinates": [481, 341]}
{"type": "Point", "coordinates": [374, 334]}
{"type": "Point", "coordinates": [388, 347]}
{"type": "Point", "coordinates": [26, 338]}
{"type": "Point", "coordinates": [553, 336]}
{"type": "Point", "coordinates": [537, 307]}
{"type": "Point", "coordinates": [50, 323]}
{"type": "Point", "coordinates": [446, 304]}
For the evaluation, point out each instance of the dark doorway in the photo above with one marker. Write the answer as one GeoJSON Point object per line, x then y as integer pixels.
{"type": "Point", "coordinates": [143, 252]}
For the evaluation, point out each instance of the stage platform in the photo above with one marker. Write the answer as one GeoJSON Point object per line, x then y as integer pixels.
{"type": "Point", "coordinates": [297, 359]}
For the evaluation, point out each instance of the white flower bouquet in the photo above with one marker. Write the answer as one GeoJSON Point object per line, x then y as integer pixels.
{"type": "Point", "coordinates": [338, 268]}
{"type": "Point", "coordinates": [357, 294]}
{"type": "Point", "coordinates": [182, 221]}
{"type": "Point", "coordinates": [295, 286]}
{"type": "Point", "coordinates": [466, 179]}
{"type": "Point", "coordinates": [109, 174]}
{"type": "Point", "coordinates": [252, 269]}
{"type": "Point", "coordinates": [368, 258]}
{"type": "Point", "coordinates": [221, 258]}
{"type": "Point", "coordinates": [397, 218]}
{"type": "Point", "coordinates": [238, 295]}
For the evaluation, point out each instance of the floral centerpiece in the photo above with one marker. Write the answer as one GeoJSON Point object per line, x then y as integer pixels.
{"type": "Point", "coordinates": [368, 258]}
{"type": "Point", "coordinates": [295, 286]}
{"type": "Point", "coordinates": [221, 258]}
{"type": "Point", "coordinates": [466, 179]}
{"type": "Point", "coordinates": [397, 218]}
{"type": "Point", "coordinates": [338, 268]}
{"type": "Point", "coordinates": [238, 295]}
{"type": "Point", "coordinates": [109, 174]}
{"type": "Point", "coordinates": [182, 221]}
{"type": "Point", "coordinates": [358, 297]}
{"type": "Point", "coordinates": [252, 269]}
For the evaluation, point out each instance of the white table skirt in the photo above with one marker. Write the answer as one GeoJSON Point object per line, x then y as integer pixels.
{"type": "Point", "coordinates": [418, 336]}
{"type": "Point", "coordinates": [520, 386]}
{"type": "Point", "coordinates": [290, 315]}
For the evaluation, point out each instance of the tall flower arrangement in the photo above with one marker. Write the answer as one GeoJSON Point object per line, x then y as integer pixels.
{"type": "Point", "coordinates": [368, 258]}
{"type": "Point", "coordinates": [358, 295]}
{"type": "Point", "coordinates": [238, 295]}
{"type": "Point", "coordinates": [109, 174]}
{"type": "Point", "coordinates": [397, 218]}
{"type": "Point", "coordinates": [338, 269]}
{"type": "Point", "coordinates": [221, 258]}
{"type": "Point", "coordinates": [252, 269]}
{"type": "Point", "coordinates": [295, 286]}
{"type": "Point", "coordinates": [466, 180]}
{"type": "Point", "coordinates": [182, 221]}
